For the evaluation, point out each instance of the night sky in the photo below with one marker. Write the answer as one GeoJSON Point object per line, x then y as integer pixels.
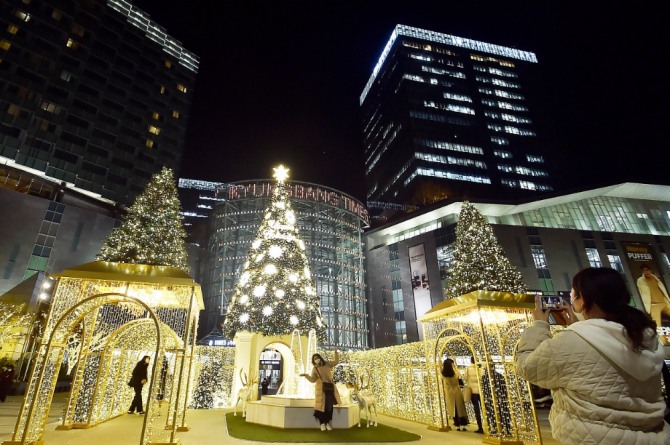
{"type": "Point", "coordinates": [279, 81]}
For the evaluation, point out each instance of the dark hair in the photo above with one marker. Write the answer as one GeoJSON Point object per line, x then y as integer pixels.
{"type": "Point", "coordinates": [472, 359]}
{"type": "Point", "coordinates": [644, 266]}
{"type": "Point", "coordinates": [319, 356]}
{"type": "Point", "coordinates": [606, 288]}
{"type": "Point", "coordinates": [448, 368]}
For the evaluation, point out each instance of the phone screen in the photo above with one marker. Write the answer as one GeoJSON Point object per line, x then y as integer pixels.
{"type": "Point", "coordinates": [550, 302]}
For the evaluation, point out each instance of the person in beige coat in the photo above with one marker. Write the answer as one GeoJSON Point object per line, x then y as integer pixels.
{"type": "Point", "coordinates": [324, 399]}
{"type": "Point", "coordinates": [604, 372]}
{"type": "Point", "coordinates": [454, 395]}
{"type": "Point", "coordinates": [654, 294]}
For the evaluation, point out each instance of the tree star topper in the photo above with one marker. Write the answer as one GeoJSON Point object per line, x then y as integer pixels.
{"type": "Point", "coordinates": [281, 173]}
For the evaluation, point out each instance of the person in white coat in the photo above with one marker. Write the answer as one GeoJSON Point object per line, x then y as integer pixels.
{"type": "Point", "coordinates": [604, 372]}
{"type": "Point", "coordinates": [653, 294]}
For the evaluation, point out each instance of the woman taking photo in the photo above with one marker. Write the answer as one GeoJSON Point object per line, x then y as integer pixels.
{"type": "Point", "coordinates": [325, 392]}
{"type": "Point", "coordinates": [604, 372]}
{"type": "Point", "coordinates": [455, 402]}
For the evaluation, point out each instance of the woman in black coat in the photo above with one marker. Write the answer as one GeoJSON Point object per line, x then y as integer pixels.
{"type": "Point", "coordinates": [137, 381]}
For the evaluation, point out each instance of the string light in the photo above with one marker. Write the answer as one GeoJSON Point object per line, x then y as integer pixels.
{"type": "Point", "coordinates": [279, 278]}
{"type": "Point", "coordinates": [152, 231]}
{"type": "Point", "coordinates": [479, 261]}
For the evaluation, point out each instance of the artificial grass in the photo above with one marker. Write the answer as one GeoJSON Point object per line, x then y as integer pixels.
{"type": "Point", "coordinates": [241, 429]}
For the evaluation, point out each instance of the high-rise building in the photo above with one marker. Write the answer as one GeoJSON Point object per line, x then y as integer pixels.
{"type": "Point", "coordinates": [94, 94]}
{"type": "Point", "coordinates": [446, 117]}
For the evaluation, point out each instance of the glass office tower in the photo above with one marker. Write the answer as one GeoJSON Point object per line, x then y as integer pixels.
{"type": "Point", "coordinates": [94, 95]}
{"type": "Point", "coordinates": [446, 117]}
{"type": "Point", "coordinates": [331, 224]}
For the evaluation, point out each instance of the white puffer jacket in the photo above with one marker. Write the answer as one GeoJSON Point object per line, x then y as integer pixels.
{"type": "Point", "coordinates": [604, 393]}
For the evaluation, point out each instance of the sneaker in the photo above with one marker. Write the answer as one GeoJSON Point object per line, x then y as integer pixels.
{"type": "Point", "coordinates": [480, 431]}
{"type": "Point", "coordinates": [328, 427]}
{"type": "Point", "coordinates": [131, 412]}
{"type": "Point", "coordinates": [323, 427]}
{"type": "Point", "coordinates": [140, 412]}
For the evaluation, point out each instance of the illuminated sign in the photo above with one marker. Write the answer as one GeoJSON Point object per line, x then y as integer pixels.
{"type": "Point", "coordinates": [298, 191]}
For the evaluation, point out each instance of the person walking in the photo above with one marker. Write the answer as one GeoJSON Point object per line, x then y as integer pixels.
{"type": "Point", "coordinates": [604, 372]}
{"type": "Point", "coordinates": [137, 380]}
{"type": "Point", "coordinates": [264, 386]}
{"type": "Point", "coordinates": [455, 402]}
{"type": "Point", "coordinates": [326, 394]}
{"type": "Point", "coordinates": [472, 380]}
{"type": "Point", "coordinates": [6, 380]}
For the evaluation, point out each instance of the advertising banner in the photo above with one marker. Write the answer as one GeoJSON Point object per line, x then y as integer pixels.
{"type": "Point", "coordinates": [638, 254]}
{"type": "Point", "coordinates": [420, 281]}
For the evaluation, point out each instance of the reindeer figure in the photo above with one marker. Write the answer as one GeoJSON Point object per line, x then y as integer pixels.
{"type": "Point", "coordinates": [244, 394]}
{"type": "Point", "coordinates": [366, 400]}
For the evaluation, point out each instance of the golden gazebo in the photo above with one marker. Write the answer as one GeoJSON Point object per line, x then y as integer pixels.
{"type": "Point", "coordinates": [106, 316]}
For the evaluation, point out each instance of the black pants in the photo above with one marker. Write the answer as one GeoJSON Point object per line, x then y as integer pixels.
{"type": "Point", "coordinates": [137, 400]}
{"type": "Point", "coordinates": [477, 405]}
{"type": "Point", "coordinates": [326, 415]}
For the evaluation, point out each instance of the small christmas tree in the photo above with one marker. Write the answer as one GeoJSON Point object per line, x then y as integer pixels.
{"type": "Point", "coordinates": [152, 231]}
{"type": "Point", "coordinates": [479, 261]}
{"type": "Point", "coordinates": [275, 294]}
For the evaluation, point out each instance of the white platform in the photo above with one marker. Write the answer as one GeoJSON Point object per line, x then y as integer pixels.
{"type": "Point", "coordinates": [282, 412]}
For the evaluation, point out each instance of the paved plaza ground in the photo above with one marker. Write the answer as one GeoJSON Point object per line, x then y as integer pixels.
{"type": "Point", "coordinates": [207, 427]}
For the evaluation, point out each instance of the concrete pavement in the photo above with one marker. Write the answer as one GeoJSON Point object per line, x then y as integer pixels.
{"type": "Point", "coordinates": [206, 427]}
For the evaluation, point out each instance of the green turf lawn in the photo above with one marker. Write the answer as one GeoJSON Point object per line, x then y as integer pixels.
{"type": "Point", "coordinates": [239, 428]}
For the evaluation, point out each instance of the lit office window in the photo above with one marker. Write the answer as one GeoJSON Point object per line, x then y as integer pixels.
{"type": "Point", "coordinates": [155, 116]}
{"type": "Point", "coordinates": [181, 88]}
{"type": "Point", "coordinates": [175, 114]}
{"type": "Point", "coordinates": [162, 89]}
{"type": "Point", "coordinates": [149, 143]}
{"type": "Point", "coordinates": [534, 158]}
{"type": "Point", "coordinates": [13, 110]}
{"type": "Point", "coordinates": [51, 107]}
{"type": "Point", "coordinates": [539, 257]}
{"type": "Point", "coordinates": [502, 154]}
{"type": "Point", "coordinates": [154, 130]}
{"type": "Point", "coordinates": [500, 141]}
{"type": "Point", "coordinates": [460, 97]}
{"type": "Point", "coordinates": [12, 29]}
{"type": "Point", "coordinates": [168, 64]}
{"type": "Point", "coordinates": [594, 257]}
{"type": "Point", "coordinates": [22, 16]}
{"type": "Point", "coordinates": [415, 78]}
{"type": "Point", "coordinates": [71, 44]}
{"type": "Point", "coordinates": [615, 261]}
{"type": "Point", "coordinates": [4, 44]}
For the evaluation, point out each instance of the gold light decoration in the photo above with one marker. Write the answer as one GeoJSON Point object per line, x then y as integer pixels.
{"type": "Point", "coordinates": [278, 277]}
{"type": "Point", "coordinates": [115, 313]}
{"type": "Point", "coordinates": [486, 325]}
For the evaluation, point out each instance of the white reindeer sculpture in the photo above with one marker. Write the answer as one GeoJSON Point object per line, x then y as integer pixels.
{"type": "Point", "coordinates": [366, 400]}
{"type": "Point", "coordinates": [245, 393]}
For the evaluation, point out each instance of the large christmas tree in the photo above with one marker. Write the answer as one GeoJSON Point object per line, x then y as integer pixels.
{"type": "Point", "coordinates": [275, 293]}
{"type": "Point", "coordinates": [152, 232]}
{"type": "Point", "coordinates": [479, 261]}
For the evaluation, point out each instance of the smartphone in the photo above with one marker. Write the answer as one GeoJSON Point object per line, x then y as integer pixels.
{"type": "Point", "coordinates": [550, 302]}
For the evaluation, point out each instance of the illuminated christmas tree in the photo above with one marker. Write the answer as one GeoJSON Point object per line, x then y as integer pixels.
{"type": "Point", "coordinates": [479, 261]}
{"type": "Point", "coordinates": [275, 293]}
{"type": "Point", "coordinates": [152, 231]}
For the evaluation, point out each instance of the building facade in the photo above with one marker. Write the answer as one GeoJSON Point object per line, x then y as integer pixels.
{"type": "Point", "coordinates": [331, 225]}
{"type": "Point", "coordinates": [94, 94]}
{"type": "Point", "coordinates": [446, 117]}
{"type": "Point", "coordinates": [549, 240]}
